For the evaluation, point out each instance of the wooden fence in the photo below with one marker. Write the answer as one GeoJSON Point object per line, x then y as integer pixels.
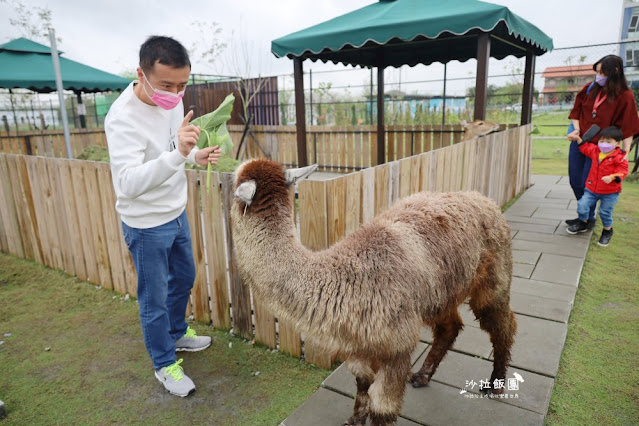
{"type": "Point", "coordinates": [335, 148]}
{"type": "Point", "coordinates": [347, 148]}
{"type": "Point", "coordinates": [61, 213]}
{"type": "Point", "coordinates": [51, 143]}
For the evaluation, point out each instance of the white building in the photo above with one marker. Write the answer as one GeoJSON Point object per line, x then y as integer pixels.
{"type": "Point", "coordinates": [629, 38]}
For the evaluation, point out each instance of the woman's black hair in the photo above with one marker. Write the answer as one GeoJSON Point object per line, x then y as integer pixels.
{"type": "Point", "coordinates": [611, 67]}
{"type": "Point", "coordinates": [164, 50]}
{"type": "Point", "coordinates": [612, 132]}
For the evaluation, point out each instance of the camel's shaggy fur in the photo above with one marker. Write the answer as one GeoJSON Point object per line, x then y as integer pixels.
{"type": "Point", "coordinates": [367, 297]}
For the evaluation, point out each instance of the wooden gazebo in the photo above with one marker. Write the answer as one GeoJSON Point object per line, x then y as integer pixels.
{"type": "Point", "coordinates": [409, 32]}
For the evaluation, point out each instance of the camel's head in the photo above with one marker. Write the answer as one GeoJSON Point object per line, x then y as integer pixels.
{"type": "Point", "coordinates": [264, 182]}
{"type": "Point", "coordinates": [478, 128]}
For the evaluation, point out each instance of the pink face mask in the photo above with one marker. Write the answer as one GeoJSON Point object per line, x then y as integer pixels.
{"type": "Point", "coordinates": [606, 147]}
{"type": "Point", "coordinates": [163, 99]}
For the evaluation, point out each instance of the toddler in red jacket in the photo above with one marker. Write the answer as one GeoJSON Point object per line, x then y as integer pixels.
{"type": "Point", "coordinates": [609, 167]}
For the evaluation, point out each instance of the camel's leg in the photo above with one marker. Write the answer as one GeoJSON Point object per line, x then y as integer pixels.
{"type": "Point", "coordinates": [364, 376]}
{"type": "Point", "coordinates": [445, 330]}
{"type": "Point", "coordinates": [387, 391]}
{"type": "Point", "coordinates": [498, 320]}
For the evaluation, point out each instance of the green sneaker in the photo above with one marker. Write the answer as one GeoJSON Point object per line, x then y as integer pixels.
{"type": "Point", "coordinates": [174, 379]}
{"type": "Point", "coordinates": [191, 342]}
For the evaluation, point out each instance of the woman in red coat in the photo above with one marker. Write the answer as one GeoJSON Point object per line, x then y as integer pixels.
{"type": "Point", "coordinates": [607, 101]}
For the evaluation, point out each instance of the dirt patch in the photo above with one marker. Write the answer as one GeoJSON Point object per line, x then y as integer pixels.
{"type": "Point", "coordinates": [612, 306]}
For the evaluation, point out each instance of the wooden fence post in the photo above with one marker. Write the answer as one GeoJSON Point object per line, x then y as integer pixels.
{"type": "Point", "coordinates": [216, 251]}
{"type": "Point", "coordinates": [290, 340]}
{"type": "Point", "coordinates": [240, 295]}
{"type": "Point", "coordinates": [200, 291]}
{"type": "Point", "coordinates": [314, 235]}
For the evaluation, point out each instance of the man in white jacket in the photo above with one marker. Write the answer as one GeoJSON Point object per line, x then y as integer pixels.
{"type": "Point", "coordinates": [150, 140]}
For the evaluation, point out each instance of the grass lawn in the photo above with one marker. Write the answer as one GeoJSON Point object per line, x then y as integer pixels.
{"type": "Point", "coordinates": [553, 123]}
{"type": "Point", "coordinates": [75, 356]}
{"type": "Point", "coordinates": [550, 156]}
{"type": "Point", "coordinates": [598, 374]}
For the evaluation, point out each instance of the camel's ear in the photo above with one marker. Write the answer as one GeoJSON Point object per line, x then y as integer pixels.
{"type": "Point", "coordinates": [245, 191]}
{"type": "Point", "coordinates": [293, 175]}
{"type": "Point", "coordinates": [463, 123]}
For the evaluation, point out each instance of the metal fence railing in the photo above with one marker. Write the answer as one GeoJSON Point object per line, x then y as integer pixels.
{"type": "Point", "coordinates": [336, 95]}
{"type": "Point", "coordinates": [23, 110]}
{"type": "Point", "coordinates": [440, 94]}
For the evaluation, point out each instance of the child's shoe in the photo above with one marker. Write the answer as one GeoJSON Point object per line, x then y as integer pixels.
{"type": "Point", "coordinates": [606, 235]}
{"type": "Point", "coordinates": [577, 228]}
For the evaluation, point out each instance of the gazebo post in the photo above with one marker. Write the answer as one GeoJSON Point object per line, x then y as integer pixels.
{"type": "Point", "coordinates": [13, 109]}
{"type": "Point", "coordinates": [300, 112]}
{"type": "Point", "coordinates": [529, 84]}
{"type": "Point", "coordinates": [481, 81]}
{"type": "Point", "coordinates": [381, 145]}
{"type": "Point", "coordinates": [82, 111]}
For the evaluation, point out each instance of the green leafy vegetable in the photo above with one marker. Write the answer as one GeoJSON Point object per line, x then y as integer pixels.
{"type": "Point", "coordinates": [213, 127]}
{"type": "Point", "coordinates": [213, 131]}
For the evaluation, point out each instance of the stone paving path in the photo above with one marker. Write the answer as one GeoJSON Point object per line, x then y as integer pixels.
{"type": "Point", "coordinates": [546, 273]}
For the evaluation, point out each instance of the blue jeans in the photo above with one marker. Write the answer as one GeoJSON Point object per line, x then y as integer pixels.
{"type": "Point", "coordinates": [578, 169]}
{"type": "Point", "coordinates": [589, 201]}
{"type": "Point", "coordinates": [163, 258]}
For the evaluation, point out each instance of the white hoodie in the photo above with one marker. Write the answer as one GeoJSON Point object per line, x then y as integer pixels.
{"type": "Point", "coordinates": [146, 166]}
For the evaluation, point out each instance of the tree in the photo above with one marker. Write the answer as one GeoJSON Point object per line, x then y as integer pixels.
{"type": "Point", "coordinates": [209, 45]}
{"type": "Point", "coordinates": [323, 92]}
{"type": "Point", "coordinates": [509, 94]}
{"type": "Point", "coordinates": [569, 60]}
{"type": "Point", "coordinates": [32, 22]}
{"type": "Point", "coordinates": [285, 99]}
{"type": "Point", "coordinates": [241, 60]}
{"type": "Point", "coordinates": [237, 57]}
{"type": "Point", "coordinates": [470, 92]}
{"type": "Point", "coordinates": [563, 88]}
{"type": "Point", "coordinates": [369, 90]}
{"type": "Point", "coordinates": [420, 116]}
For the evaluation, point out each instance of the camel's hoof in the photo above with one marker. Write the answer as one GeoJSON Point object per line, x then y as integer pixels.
{"type": "Point", "coordinates": [419, 381]}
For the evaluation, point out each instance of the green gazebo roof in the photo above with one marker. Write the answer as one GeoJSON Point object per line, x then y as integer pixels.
{"type": "Point", "coordinates": [413, 32]}
{"type": "Point", "coordinates": [27, 64]}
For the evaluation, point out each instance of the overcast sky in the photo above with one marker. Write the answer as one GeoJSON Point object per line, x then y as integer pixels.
{"type": "Point", "coordinates": [107, 34]}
